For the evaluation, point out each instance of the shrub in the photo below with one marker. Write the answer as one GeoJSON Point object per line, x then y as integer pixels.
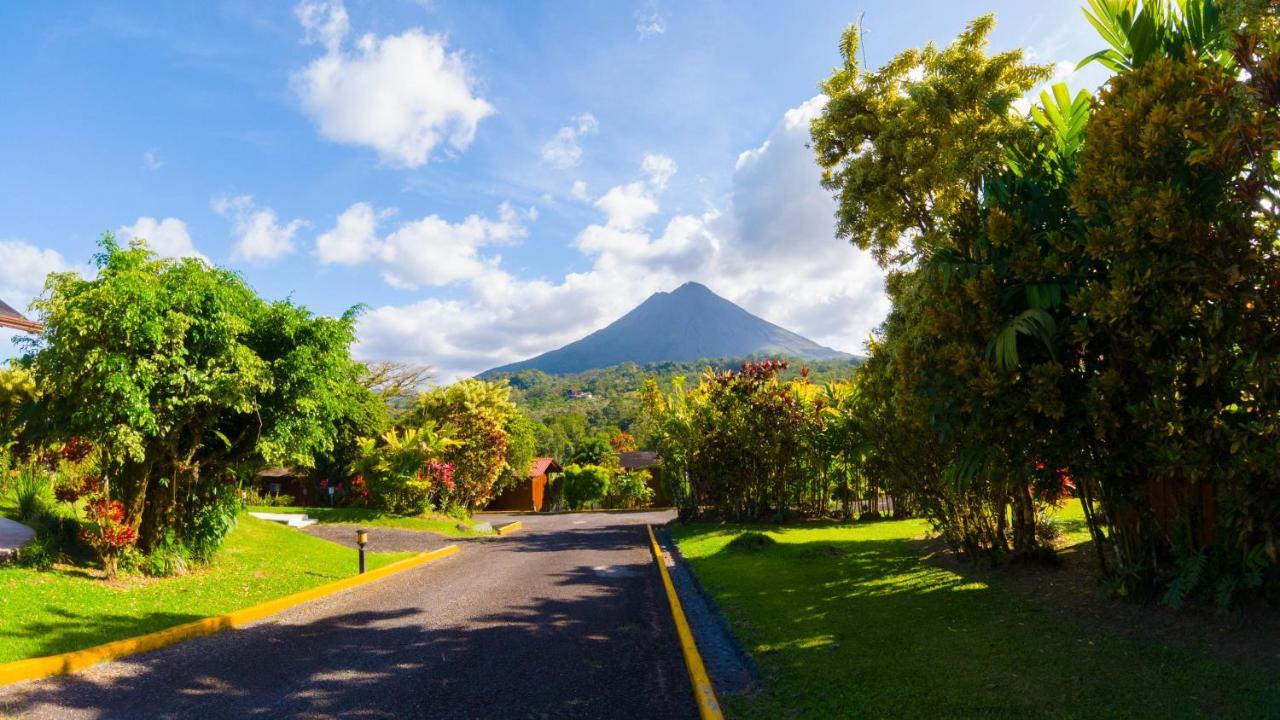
{"type": "Point", "coordinates": [630, 490]}
{"type": "Point", "coordinates": [106, 532]}
{"type": "Point", "coordinates": [55, 532]}
{"type": "Point", "coordinates": [169, 558]}
{"type": "Point", "coordinates": [751, 542]}
{"type": "Point", "coordinates": [40, 554]}
{"type": "Point", "coordinates": [278, 500]}
{"type": "Point", "coordinates": [34, 493]}
{"type": "Point", "coordinates": [584, 484]}
{"type": "Point", "coordinates": [209, 525]}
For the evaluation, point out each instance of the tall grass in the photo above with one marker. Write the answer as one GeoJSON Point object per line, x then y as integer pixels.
{"type": "Point", "coordinates": [34, 493]}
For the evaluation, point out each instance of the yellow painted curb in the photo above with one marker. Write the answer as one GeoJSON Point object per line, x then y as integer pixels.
{"type": "Point", "coordinates": [77, 660]}
{"type": "Point", "coordinates": [703, 691]}
{"type": "Point", "coordinates": [510, 527]}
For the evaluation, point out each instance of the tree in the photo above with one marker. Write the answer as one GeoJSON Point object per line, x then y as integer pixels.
{"type": "Point", "coordinates": [584, 485]}
{"type": "Point", "coordinates": [595, 450]}
{"type": "Point", "coordinates": [480, 418]}
{"type": "Point", "coordinates": [184, 379]}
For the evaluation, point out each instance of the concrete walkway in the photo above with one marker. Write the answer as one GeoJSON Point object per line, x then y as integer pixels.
{"type": "Point", "coordinates": [13, 535]}
{"type": "Point", "coordinates": [564, 619]}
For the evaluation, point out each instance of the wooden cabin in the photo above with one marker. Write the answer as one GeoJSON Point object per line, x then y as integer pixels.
{"type": "Point", "coordinates": [530, 493]}
{"type": "Point", "coordinates": [647, 462]}
{"type": "Point", "coordinates": [295, 483]}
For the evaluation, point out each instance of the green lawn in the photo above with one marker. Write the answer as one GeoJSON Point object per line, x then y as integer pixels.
{"type": "Point", "coordinates": [850, 621]}
{"type": "Point", "coordinates": [43, 613]}
{"type": "Point", "coordinates": [376, 518]}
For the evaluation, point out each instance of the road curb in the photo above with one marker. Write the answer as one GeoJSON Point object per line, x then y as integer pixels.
{"type": "Point", "coordinates": [510, 527]}
{"type": "Point", "coordinates": [77, 660]}
{"type": "Point", "coordinates": [703, 691]}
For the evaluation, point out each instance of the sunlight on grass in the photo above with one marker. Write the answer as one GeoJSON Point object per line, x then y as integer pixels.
{"type": "Point", "coordinates": [43, 613]}
{"type": "Point", "coordinates": [438, 524]}
{"type": "Point", "coordinates": [850, 621]}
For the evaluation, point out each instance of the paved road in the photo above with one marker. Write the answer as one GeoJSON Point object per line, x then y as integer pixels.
{"type": "Point", "coordinates": [565, 619]}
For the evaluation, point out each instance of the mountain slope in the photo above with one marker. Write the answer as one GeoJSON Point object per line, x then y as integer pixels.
{"type": "Point", "coordinates": [688, 323]}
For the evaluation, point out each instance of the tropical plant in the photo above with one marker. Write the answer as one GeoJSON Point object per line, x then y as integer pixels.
{"type": "Point", "coordinates": [399, 473]}
{"type": "Point", "coordinates": [480, 419]}
{"type": "Point", "coordinates": [584, 485]}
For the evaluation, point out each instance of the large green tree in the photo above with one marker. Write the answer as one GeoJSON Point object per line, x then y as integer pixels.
{"type": "Point", "coordinates": [185, 379]}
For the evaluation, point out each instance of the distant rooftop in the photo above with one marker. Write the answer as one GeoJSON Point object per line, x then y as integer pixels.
{"type": "Point", "coordinates": [11, 318]}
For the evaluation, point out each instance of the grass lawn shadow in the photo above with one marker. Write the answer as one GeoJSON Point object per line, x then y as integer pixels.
{"type": "Point", "coordinates": [852, 621]}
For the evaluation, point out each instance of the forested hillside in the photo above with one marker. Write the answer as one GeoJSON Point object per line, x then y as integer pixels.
{"type": "Point", "coordinates": [569, 409]}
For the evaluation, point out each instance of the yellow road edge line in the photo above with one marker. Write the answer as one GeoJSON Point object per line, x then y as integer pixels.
{"type": "Point", "coordinates": [510, 527]}
{"type": "Point", "coordinates": [77, 660]}
{"type": "Point", "coordinates": [703, 691]}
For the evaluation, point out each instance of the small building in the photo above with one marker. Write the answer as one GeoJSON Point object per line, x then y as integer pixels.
{"type": "Point", "coordinates": [647, 462]}
{"type": "Point", "coordinates": [276, 481]}
{"type": "Point", "coordinates": [11, 318]}
{"type": "Point", "coordinates": [577, 395]}
{"type": "Point", "coordinates": [530, 493]}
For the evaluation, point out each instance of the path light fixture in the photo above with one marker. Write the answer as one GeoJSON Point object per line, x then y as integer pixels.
{"type": "Point", "coordinates": [362, 537]}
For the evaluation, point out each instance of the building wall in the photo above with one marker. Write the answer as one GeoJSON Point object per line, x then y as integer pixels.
{"type": "Point", "coordinates": [529, 494]}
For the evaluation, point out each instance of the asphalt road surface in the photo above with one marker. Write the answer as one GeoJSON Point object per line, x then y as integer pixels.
{"type": "Point", "coordinates": [564, 619]}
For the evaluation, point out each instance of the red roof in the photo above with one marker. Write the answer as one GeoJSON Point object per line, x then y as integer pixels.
{"type": "Point", "coordinates": [542, 466]}
{"type": "Point", "coordinates": [11, 318]}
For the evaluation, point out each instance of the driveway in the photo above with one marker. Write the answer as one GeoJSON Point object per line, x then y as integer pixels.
{"type": "Point", "coordinates": [564, 619]}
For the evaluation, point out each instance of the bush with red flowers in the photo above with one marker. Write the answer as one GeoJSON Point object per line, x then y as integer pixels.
{"type": "Point", "coordinates": [106, 531]}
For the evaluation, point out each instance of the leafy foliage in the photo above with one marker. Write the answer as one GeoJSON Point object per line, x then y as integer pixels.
{"type": "Point", "coordinates": [584, 485]}
{"type": "Point", "coordinates": [182, 377]}
{"type": "Point", "coordinates": [1084, 298]}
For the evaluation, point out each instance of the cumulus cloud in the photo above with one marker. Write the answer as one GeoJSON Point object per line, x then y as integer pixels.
{"type": "Point", "coordinates": [167, 237]}
{"type": "Point", "coordinates": [771, 248]}
{"type": "Point", "coordinates": [22, 276]}
{"type": "Point", "coordinates": [24, 269]}
{"type": "Point", "coordinates": [563, 150]}
{"type": "Point", "coordinates": [579, 191]}
{"type": "Point", "coordinates": [402, 95]}
{"type": "Point", "coordinates": [353, 239]}
{"type": "Point", "coordinates": [428, 251]}
{"type": "Point", "coordinates": [259, 235]}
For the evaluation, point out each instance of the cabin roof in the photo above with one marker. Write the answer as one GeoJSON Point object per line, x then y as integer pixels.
{"type": "Point", "coordinates": [11, 318]}
{"type": "Point", "coordinates": [542, 466]}
{"type": "Point", "coordinates": [638, 459]}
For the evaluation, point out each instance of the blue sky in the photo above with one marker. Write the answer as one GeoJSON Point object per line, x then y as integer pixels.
{"type": "Point", "coordinates": [491, 180]}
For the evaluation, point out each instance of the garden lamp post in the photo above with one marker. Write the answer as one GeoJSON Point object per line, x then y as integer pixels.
{"type": "Point", "coordinates": [362, 537]}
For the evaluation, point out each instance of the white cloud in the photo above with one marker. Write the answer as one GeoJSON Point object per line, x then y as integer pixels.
{"type": "Point", "coordinates": [433, 251]}
{"type": "Point", "coordinates": [166, 238]}
{"type": "Point", "coordinates": [24, 269]}
{"type": "Point", "coordinates": [563, 150]}
{"type": "Point", "coordinates": [772, 249]}
{"type": "Point", "coordinates": [151, 160]}
{"type": "Point", "coordinates": [579, 191]}
{"type": "Point", "coordinates": [428, 251]}
{"type": "Point", "coordinates": [22, 276]}
{"type": "Point", "coordinates": [259, 235]}
{"type": "Point", "coordinates": [354, 239]}
{"type": "Point", "coordinates": [402, 95]}
{"type": "Point", "coordinates": [649, 23]}
{"type": "Point", "coordinates": [659, 168]}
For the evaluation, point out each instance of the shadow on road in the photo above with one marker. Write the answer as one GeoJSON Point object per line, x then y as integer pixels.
{"type": "Point", "coordinates": [597, 650]}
